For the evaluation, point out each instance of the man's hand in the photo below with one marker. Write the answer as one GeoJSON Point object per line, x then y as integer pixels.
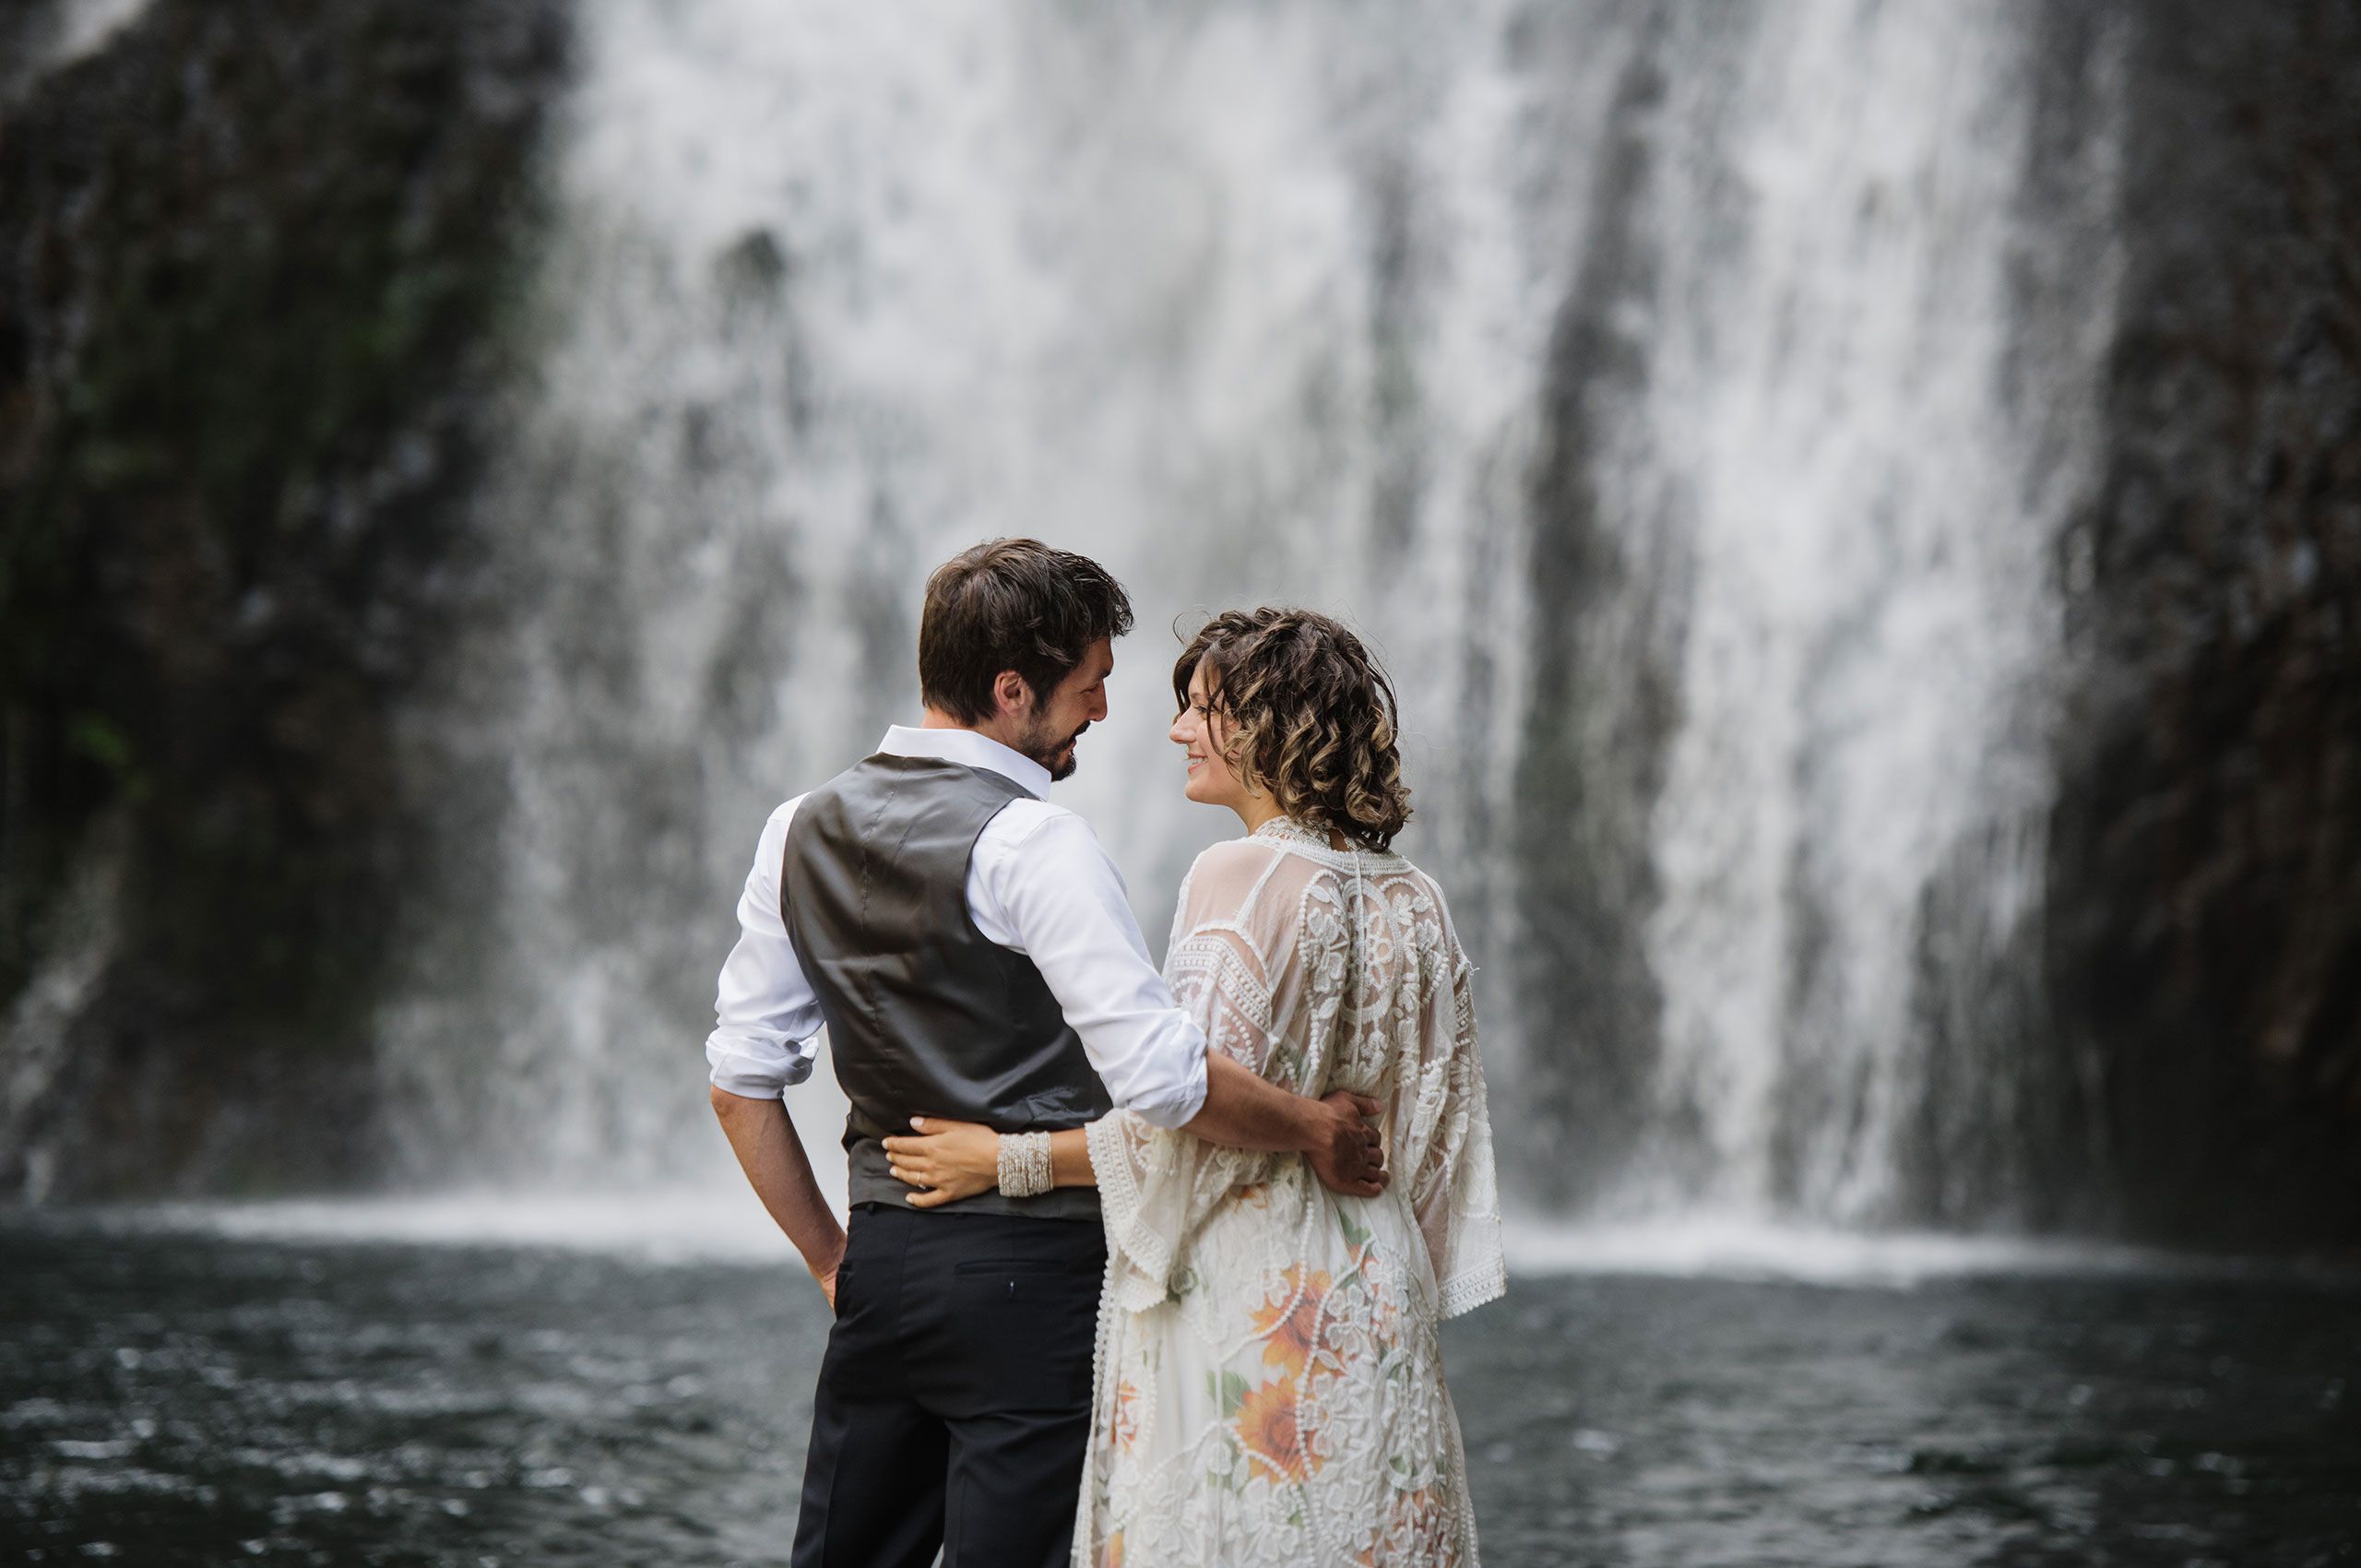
{"type": "Point", "coordinates": [828, 1280]}
{"type": "Point", "coordinates": [1349, 1156]}
{"type": "Point", "coordinates": [1243, 1111]}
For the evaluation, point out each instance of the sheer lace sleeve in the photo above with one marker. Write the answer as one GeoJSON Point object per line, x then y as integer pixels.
{"type": "Point", "coordinates": [1447, 1145]}
{"type": "Point", "coordinates": [1234, 968]}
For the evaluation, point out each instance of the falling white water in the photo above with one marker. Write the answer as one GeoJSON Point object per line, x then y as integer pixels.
{"type": "Point", "coordinates": [85, 26]}
{"type": "Point", "coordinates": [1871, 618]}
{"type": "Point", "coordinates": [1255, 303]}
{"type": "Point", "coordinates": [49, 35]}
{"type": "Point", "coordinates": [839, 291]}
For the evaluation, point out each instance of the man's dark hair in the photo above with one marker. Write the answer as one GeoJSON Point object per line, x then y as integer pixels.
{"type": "Point", "coordinates": [1011, 604]}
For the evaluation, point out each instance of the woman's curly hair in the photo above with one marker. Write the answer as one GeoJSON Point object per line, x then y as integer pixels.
{"type": "Point", "coordinates": [1311, 717]}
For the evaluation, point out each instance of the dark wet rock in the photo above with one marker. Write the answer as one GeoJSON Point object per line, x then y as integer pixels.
{"type": "Point", "coordinates": [253, 265]}
{"type": "Point", "coordinates": [2205, 904]}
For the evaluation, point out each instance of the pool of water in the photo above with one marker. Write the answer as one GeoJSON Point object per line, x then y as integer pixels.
{"type": "Point", "coordinates": [177, 1395]}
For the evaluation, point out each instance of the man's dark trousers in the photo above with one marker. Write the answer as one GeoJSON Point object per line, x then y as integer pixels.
{"type": "Point", "coordinates": [954, 1404]}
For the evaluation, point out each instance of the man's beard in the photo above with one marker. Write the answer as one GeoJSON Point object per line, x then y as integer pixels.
{"type": "Point", "coordinates": [1053, 751]}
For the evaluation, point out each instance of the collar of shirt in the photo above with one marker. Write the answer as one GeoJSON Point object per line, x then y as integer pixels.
{"type": "Point", "coordinates": [969, 747]}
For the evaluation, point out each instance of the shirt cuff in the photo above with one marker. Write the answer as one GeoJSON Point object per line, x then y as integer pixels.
{"type": "Point", "coordinates": [755, 1074]}
{"type": "Point", "coordinates": [1180, 1105]}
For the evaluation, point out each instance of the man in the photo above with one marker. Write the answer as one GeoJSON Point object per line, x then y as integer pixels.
{"type": "Point", "coordinates": [971, 950]}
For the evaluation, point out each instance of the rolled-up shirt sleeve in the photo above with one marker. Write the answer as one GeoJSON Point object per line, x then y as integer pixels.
{"type": "Point", "coordinates": [1042, 872]}
{"type": "Point", "coordinates": [766, 1019]}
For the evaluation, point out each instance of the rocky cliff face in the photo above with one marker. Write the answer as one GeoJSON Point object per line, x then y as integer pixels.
{"type": "Point", "coordinates": [2206, 953]}
{"type": "Point", "coordinates": [254, 293]}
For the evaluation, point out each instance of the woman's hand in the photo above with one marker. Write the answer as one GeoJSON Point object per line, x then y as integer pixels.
{"type": "Point", "coordinates": [948, 1159]}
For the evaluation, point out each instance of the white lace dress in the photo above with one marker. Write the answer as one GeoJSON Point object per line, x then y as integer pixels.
{"type": "Point", "coordinates": [1269, 1387]}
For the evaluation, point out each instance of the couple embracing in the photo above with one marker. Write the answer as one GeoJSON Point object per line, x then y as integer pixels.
{"type": "Point", "coordinates": [1141, 1269]}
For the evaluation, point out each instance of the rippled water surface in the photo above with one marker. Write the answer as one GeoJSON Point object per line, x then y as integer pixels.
{"type": "Point", "coordinates": [186, 1398]}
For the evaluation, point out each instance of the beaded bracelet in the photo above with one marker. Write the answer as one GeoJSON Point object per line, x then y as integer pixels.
{"type": "Point", "coordinates": [1025, 1168]}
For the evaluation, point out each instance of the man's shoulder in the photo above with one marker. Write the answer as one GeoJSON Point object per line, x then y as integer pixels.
{"type": "Point", "coordinates": [772, 840]}
{"type": "Point", "coordinates": [1028, 818]}
{"type": "Point", "coordinates": [831, 792]}
{"type": "Point", "coordinates": [1038, 844]}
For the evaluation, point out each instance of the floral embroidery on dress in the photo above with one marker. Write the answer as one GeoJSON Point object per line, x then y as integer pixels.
{"type": "Point", "coordinates": [1269, 1387]}
{"type": "Point", "coordinates": [1291, 1321]}
{"type": "Point", "coordinates": [1266, 1429]}
{"type": "Point", "coordinates": [1125, 1430]}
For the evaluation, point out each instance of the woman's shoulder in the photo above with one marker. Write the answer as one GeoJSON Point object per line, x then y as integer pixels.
{"type": "Point", "coordinates": [1227, 856]}
{"type": "Point", "coordinates": [1224, 877]}
{"type": "Point", "coordinates": [1273, 871]}
{"type": "Point", "coordinates": [1401, 865]}
{"type": "Point", "coordinates": [1424, 897]}
{"type": "Point", "coordinates": [1283, 850]}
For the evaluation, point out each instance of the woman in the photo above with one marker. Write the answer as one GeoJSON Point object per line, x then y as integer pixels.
{"type": "Point", "coordinates": [1269, 1388]}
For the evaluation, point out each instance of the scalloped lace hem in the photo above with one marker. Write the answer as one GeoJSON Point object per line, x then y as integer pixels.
{"type": "Point", "coordinates": [1466, 1292]}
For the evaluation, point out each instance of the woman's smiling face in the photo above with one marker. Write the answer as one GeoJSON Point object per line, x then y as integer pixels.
{"type": "Point", "coordinates": [1199, 730]}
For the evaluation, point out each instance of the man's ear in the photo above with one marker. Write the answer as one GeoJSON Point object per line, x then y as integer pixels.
{"type": "Point", "coordinates": [1011, 696]}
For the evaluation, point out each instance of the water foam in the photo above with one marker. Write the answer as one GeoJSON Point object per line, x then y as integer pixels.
{"type": "Point", "coordinates": [726, 1225]}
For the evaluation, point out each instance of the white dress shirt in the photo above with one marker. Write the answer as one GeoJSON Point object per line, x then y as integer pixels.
{"type": "Point", "coordinates": [1037, 883]}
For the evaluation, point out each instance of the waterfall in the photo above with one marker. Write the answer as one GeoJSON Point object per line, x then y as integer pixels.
{"type": "Point", "coordinates": [1680, 401]}
{"type": "Point", "coordinates": [1877, 439]}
